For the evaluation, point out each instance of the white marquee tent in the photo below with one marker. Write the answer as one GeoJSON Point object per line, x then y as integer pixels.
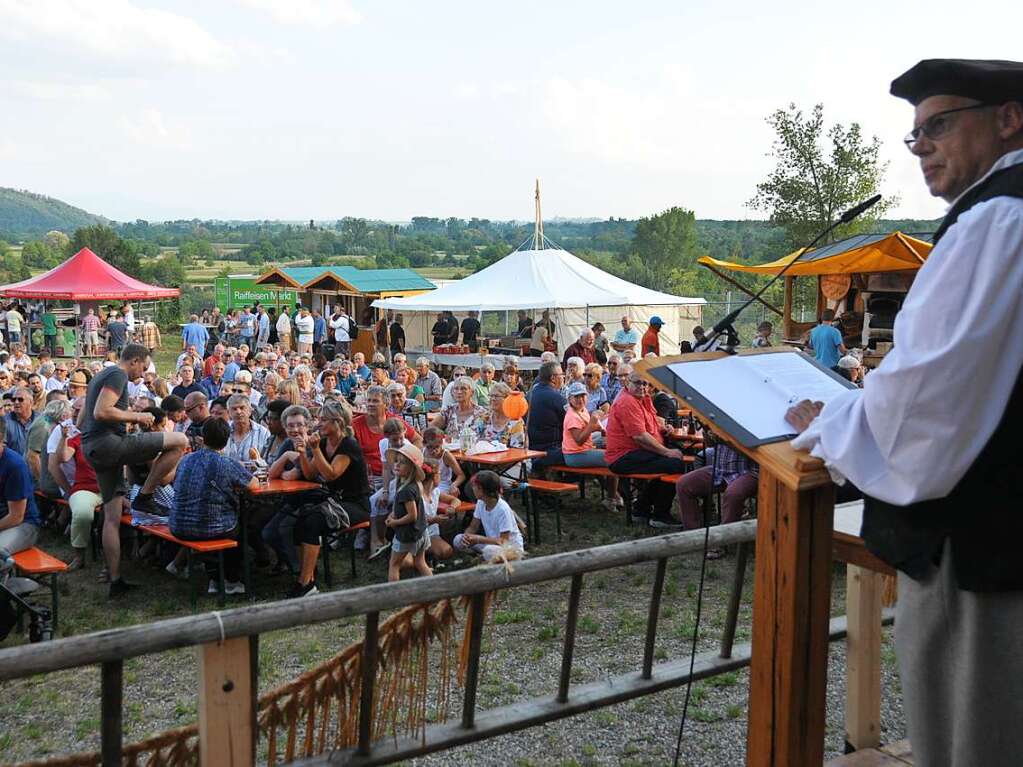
{"type": "Point", "coordinates": [577, 293]}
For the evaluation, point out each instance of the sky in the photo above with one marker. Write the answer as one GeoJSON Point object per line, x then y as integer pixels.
{"type": "Point", "coordinates": [388, 109]}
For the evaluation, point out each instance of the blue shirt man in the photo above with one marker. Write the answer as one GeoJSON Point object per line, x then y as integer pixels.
{"type": "Point", "coordinates": [17, 425]}
{"type": "Point", "coordinates": [194, 334]}
{"type": "Point", "coordinates": [319, 328]}
{"type": "Point", "coordinates": [627, 338]}
{"type": "Point", "coordinates": [206, 487]}
{"type": "Point", "coordinates": [826, 341]}
{"type": "Point", "coordinates": [16, 485]}
{"type": "Point", "coordinates": [547, 409]}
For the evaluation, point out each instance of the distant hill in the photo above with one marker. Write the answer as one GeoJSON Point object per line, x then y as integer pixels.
{"type": "Point", "coordinates": [25, 215]}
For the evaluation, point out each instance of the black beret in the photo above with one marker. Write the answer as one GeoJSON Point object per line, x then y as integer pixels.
{"type": "Point", "coordinates": [988, 81]}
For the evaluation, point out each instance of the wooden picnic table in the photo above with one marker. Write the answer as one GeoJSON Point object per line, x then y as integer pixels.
{"type": "Point", "coordinates": [512, 455]}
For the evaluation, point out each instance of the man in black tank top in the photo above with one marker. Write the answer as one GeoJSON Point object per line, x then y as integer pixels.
{"type": "Point", "coordinates": [931, 440]}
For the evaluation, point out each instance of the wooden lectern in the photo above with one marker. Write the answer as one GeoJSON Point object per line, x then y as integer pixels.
{"type": "Point", "coordinates": [791, 595]}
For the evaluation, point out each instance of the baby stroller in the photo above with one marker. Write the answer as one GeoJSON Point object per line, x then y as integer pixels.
{"type": "Point", "coordinates": [14, 593]}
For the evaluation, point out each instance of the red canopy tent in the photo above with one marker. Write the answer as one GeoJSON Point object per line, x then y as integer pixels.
{"type": "Point", "coordinates": [85, 277]}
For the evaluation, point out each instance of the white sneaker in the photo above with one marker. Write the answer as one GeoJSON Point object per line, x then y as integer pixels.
{"type": "Point", "coordinates": [212, 588]}
{"type": "Point", "coordinates": [173, 570]}
{"type": "Point", "coordinates": [234, 587]}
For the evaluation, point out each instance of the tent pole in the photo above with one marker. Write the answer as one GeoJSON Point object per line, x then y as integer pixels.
{"type": "Point", "coordinates": [744, 289]}
{"type": "Point", "coordinates": [538, 225]}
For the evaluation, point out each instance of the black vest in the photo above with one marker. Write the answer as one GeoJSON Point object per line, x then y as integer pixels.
{"type": "Point", "coordinates": [983, 515]}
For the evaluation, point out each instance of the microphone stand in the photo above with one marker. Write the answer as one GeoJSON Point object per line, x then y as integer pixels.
{"type": "Point", "coordinates": [726, 324]}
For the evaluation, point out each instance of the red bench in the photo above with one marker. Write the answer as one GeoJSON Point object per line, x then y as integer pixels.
{"type": "Point", "coordinates": [36, 562]}
{"type": "Point", "coordinates": [213, 546]}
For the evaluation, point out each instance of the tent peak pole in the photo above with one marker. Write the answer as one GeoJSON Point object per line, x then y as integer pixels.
{"type": "Point", "coordinates": [538, 225]}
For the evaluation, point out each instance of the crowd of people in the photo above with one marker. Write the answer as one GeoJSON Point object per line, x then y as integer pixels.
{"type": "Point", "coordinates": [250, 392]}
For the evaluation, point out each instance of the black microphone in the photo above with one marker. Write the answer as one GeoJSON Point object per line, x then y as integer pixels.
{"type": "Point", "coordinates": [855, 212]}
{"type": "Point", "coordinates": [725, 324]}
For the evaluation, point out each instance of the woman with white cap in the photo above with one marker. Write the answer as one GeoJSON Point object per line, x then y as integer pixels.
{"type": "Point", "coordinates": [577, 439]}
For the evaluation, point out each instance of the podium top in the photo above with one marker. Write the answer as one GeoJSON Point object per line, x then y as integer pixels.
{"type": "Point", "coordinates": [795, 469]}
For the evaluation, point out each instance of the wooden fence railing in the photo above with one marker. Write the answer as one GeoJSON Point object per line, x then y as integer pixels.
{"type": "Point", "coordinates": [227, 653]}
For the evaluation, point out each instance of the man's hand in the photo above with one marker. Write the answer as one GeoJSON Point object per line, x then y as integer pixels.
{"type": "Point", "coordinates": [801, 415]}
{"type": "Point", "coordinates": [144, 419]}
{"type": "Point", "coordinates": [674, 454]}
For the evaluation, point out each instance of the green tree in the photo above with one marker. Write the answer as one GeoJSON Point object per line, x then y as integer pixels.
{"type": "Point", "coordinates": [57, 241]}
{"type": "Point", "coordinates": [665, 243]}
{"type": "Point", "coordinates": [818, 174]}
{"type": "Point", "coordinates": [166, 271]}
{"type": "Point", "coordinates": [104, 242]}
{"type": "Point", "coordinates": [38, 255]}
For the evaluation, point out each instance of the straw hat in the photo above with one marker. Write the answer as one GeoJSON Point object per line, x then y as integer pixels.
{"type": "Point", "coordinates": [413, 453]}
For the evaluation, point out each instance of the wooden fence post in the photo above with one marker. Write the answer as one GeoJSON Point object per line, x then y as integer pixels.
{"type": "Point", "coordinates": [227, 702]}
{"type": "Point", "coordinates": [863, 658]}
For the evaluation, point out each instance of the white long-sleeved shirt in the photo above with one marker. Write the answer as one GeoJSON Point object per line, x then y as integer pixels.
{"type": "Point", "coordinates": [925, 414]}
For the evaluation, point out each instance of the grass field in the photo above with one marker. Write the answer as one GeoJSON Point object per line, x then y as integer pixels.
{"type": "Point", "coordinates": [522, 652]}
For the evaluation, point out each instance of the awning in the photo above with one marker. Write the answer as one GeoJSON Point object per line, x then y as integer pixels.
{"type": "Point", "coordinates": [860, 254]}
{"type": "Point", "coordinates": [85, 277]}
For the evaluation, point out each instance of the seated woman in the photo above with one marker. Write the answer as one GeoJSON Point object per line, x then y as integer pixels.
{"type": "Point", "coordinates": [163, 494]}
{"type": "Point", "coordinates": [288, 390]}
{"type": "Point", "coordinates": [303, 376]}
{"type": "Point", "coordinates": [397, 401]}
{"type": "Point", "coordinates": [510, 375]}
{"type": "Point", "coordinates": [369, 430]}
{"type": "Point", "coordinates": [328, 386]}
{"type": "Point", "coordinates": [499, 427]}
{"type": "Point", "coordinates": [334, 459]}
{"type": "Point", "coordinates": [464, 413]}
{"type": "Point", "coordinates": [413, 392]}
{"type": "Point", "coordinates": [577, 440]}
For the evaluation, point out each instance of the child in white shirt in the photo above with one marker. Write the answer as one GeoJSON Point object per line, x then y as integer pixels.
{"type": "Point", "coordinates": [501, 537]}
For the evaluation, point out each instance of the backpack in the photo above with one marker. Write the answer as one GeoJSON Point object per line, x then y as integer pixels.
{"type": "Point", "coordinates": [353, 327]}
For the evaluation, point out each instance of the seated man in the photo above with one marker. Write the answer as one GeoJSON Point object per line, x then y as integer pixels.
{"type": "Point", "coordinates": [19, 515]}
{"type": "Point", "coordinates": [197, 408]}
{"type": "Point", "coordinates": [206, 499]}
{"type": "Point", "coordinates": [729, 469]}
{"type": "Point", "coordinates": [547, 415]}
{"type": "Point", "coordinates": [246, 434]}
{"type": "Point", "coordinates": [635, 445]}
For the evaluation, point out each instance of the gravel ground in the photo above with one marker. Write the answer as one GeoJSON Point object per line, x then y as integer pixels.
{"type": "Point", "coordinates": [522, 644]}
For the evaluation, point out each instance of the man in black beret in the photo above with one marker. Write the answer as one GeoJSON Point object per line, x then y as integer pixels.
{"type": "Point", "coordinates": [932, 439]}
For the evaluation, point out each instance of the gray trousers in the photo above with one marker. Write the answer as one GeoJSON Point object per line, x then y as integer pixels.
{"type": "Point", "coordinates": [19, 537]}
{"type": "Point", "coordinates": [961, 662]}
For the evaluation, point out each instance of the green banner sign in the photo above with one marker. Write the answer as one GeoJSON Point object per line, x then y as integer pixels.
{"type": "Point", "coordinates": [234, 292]}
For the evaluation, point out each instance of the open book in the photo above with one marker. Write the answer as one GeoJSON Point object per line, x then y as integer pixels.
{"type": "Point", "coordinates": [748, 394]}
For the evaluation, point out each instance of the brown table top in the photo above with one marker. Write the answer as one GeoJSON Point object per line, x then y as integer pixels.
{"type": "Point", "coordinates": [284, 487]}
{"type": "Point", "coordinates": [511, 455]}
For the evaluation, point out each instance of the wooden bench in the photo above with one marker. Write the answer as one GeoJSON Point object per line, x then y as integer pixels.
{"type": "Point", "coordinates": [551, 488]}
{"type": "Point", "coordinates": [213, 546]}
{"type": "Point", "coordinates": [35, 562]}
{"type": "Point", "coordinates": [603, 472]}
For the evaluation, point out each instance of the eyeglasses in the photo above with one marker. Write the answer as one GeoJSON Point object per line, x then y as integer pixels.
{"type": "Point", "coordinates": [622, 376]}
{"type": "Point", "coordinates": [591, 375]}
{"type": "Point", "coordinates": [937, 125]}
{"type": "Point", "coordinates": [634, 382]}
{"type": "Point", "coordinates": [19, 399]}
